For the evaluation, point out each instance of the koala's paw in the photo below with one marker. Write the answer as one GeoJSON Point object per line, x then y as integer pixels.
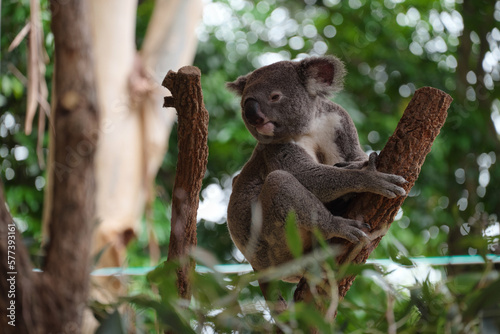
{"type": "Point", "coordinates": [388, 185]}
{"type": "Point", "coordinates": [352, 164]}
{"type": "Point", "coordinates": [372, 160]}
{"type": "Point", "coordinates": [350, 229]}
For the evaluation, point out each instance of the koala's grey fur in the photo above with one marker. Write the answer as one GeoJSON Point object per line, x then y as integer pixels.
{"type": "Point", "coordinates": [308, 155]}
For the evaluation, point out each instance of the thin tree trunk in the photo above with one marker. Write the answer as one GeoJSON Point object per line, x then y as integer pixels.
{"type": "Point", "coordinates": [72, 216]}
{"type": "Point", "coordinates": [404, 155]}
{"type": "Point", "coordinates": [53, 301]}
{"type": "Point", "coordinates": [192, 161]}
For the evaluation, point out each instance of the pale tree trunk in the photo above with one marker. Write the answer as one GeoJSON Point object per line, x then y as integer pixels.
{"type": "Point", "coordinates": [134, 129]}
{"type": "Point", "coordinates": [119, 161]}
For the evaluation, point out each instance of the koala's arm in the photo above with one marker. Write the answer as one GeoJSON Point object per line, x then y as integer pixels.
{"type": "Point", "coordinates": [348, 141]}
{"type": "Point", "coordinates": [352, 164]}
{"type": "Point", "coordinates": [328, 183]}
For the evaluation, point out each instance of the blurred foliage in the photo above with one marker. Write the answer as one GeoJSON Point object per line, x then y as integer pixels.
{"type": "Point", "coordinates": [228, 303]}
{"type": "Point", "coordinates": [390, 48]}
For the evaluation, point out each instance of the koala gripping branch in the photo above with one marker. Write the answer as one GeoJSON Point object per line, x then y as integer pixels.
{"type": "Point", "coordinates": [404, 155]}
{"type": "Point", "coordinates": [192, 129]}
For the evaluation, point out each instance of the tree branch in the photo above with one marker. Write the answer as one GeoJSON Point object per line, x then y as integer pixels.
{"type": "Point", "coordinates": [53, 301]}
{"type": "Point", "coordinates": [192, 161]}
{"type": "Point", "coordinates": [404, 155]}
{"type": "Point", "coordinates": [64, 282]}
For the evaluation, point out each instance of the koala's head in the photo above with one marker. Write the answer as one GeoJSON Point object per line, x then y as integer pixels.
{"type": "Point", "coordinates": [278, 101]}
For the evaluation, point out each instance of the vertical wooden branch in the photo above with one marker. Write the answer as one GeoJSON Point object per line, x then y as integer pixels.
{"type": "Point", "coordinates": [404, 155]}
{"type": "Point", "coordinates": [75, 119]}
{"type": "Point", "coordinates": [187, 99]}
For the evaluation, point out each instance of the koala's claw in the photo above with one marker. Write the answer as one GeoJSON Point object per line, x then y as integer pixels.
{"type": "Point", "coordinates": [392, 191]}
{"type": "Point", "coordinates": [384, 184]}
{"type": "Point", "coordinates": [352, 231]}
{"type": "Point", "coordinates": [393, 187]}
{"type": "Point", "coordinates": [372, 160]}
{"type": "Point", "coordinates": [355, 236]}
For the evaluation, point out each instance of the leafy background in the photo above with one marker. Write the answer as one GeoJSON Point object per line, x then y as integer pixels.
{"type": "Point", "coordinates": [390, 48]}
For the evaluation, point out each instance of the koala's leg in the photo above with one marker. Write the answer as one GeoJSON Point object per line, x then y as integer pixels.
{"type": "Point", "coordinates": [282, 193]}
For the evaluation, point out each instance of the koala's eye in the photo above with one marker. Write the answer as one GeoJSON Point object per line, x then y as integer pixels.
{"type": "Point", "coordinates": [275, 97]}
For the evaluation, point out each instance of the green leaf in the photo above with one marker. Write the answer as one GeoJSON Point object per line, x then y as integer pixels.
{"type": "Point", "coordinates": [168, 315]}
{"type": "Point", "coordinates": [464, 283]}
{"type": "Point", "coordinates": [321, 239]}
{"type": "Point", "coordinates": [481, 299]}
{"type": "Point", "coordinates": [398, 257]}
{"type": "Point", "coordinates": [209, 288]}
{"type": "Point", "coordinates": [293, 235]}
{"type": "Point", "coordinates": [165, 276]}
{"type": "Point", "coordinates": [306, 316]}
{"type": "Point", "coordinates": [112, 324]}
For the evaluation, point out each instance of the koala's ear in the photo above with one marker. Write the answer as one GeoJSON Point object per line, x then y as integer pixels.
{"type": "Point", "coordinates": [322, 76]}
{"type": "Point", "coordinates": [238, 85]}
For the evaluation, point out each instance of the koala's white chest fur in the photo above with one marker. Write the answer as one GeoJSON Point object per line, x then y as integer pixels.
{"type": "Point", "coordinates": [319, 139]}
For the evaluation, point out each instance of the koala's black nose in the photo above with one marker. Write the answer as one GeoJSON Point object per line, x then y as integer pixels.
{"type": "Point", "coordinates": [252, 112]}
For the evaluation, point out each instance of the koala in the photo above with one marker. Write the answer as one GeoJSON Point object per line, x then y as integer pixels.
{"type": "Point", "coordinates": [308, 160]}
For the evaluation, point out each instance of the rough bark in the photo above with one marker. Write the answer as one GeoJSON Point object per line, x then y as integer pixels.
{"type": "Point", "coordinates": [404, 155]}
{"type": "Point", "coordinates": [187, 99]}
{"type": "Point", "coordinates": [72, 217]}
{"type": "Point", "coordinates": [53, 301]}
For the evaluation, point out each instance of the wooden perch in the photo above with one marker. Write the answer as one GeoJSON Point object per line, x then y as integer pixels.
{"type": "Point", "coordinates": [404, 155]}
{"type": "Point", "coordinates": [187, 99]}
